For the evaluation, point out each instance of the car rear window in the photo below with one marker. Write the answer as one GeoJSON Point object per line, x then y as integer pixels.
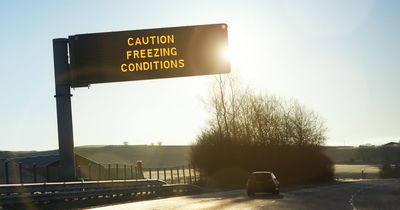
{"type": "Point", "coordinates": [262, 176]}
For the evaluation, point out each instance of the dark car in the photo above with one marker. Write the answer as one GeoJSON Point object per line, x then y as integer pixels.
{"type": "Point", "coordinates": [262, 181]}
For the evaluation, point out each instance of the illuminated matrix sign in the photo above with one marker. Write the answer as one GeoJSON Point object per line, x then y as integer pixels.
{"type": "Point", "coordinates": [148, 54]}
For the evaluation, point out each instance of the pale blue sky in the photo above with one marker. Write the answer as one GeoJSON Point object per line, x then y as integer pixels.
{"type": "Point", "coordinates": [340, 58]}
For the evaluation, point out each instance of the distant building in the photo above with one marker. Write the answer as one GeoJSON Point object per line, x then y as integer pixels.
{"type": "Point", "coordinates": [41, 168]}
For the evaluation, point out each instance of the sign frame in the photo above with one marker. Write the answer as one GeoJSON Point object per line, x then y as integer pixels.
{"type": "Point", "coordinates": [148, 54]}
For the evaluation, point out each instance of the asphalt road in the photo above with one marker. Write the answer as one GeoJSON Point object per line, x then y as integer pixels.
{"type": "Point", "coordinates": [365, 194]}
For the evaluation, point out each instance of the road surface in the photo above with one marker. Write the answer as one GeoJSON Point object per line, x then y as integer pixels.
{"type": "Point", "coordinates": [365, 194]}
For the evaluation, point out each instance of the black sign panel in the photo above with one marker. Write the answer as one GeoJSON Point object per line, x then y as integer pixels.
{"type": "Point", "coordinates": [148, 54]}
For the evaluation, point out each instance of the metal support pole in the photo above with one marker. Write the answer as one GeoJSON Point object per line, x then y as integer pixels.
{"type": "Point", "coordinates": [64, 114]}
{"type": "Point", "coordinates": [20, 173]}
{"type": "Point", "coordinates": [47, 174]}
{"type": "Point", "coordinates": [177, 173]}
{"type": "Point", "coordinates": [34, 173]}
{"type": "Point", "coordinates": [194, 172]}
{"type": "Point", "coordinates": [6, 171]}
{"type": "Point", "coordinates": [201, 175]}
{"type": "Point", "coordinates": [90, 171]}
{"type": "Point", "coordinates": [172, 177]}
{"type": "Point", "coordinates": [125, 172]}
{"type": "Point", "coordinates": [99, 171]}
{"type": "Point", "coordinates": [109, 171]}
{"type": "Point", "coordinates": [184, 177]}
{"type": "Point", "coordinates": [150, 173]}
{"type": "Point", "coordinates": [116, 170]}
{"type": "Point", "coordinates": [190, 175]}
{"type": "Point", "coordinates": [79, 172]}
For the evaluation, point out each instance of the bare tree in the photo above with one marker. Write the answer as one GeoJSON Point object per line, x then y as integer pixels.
{"type": "Point", "coordinates": [241, 114]}
{"type": "Point", "coordinates": [306, 128]}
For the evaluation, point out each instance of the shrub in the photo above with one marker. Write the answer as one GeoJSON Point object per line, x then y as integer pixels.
{"type": "Point", "coordinates": [250, 132]}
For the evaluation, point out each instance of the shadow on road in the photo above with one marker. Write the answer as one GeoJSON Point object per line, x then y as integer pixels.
{"type": "Point", "coordinates": [266, 196]}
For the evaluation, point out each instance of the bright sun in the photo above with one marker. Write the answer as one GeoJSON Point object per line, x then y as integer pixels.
{"type": "Point", "coordinates": [225, 53]}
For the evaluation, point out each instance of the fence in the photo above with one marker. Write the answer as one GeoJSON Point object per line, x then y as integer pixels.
{"type": "Point", "coordinates": [19, 173]}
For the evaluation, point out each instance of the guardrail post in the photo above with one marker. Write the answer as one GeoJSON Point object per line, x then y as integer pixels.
{"type": "Point", "coordinates": [109, 171]}
{"type": "Point", "coordinates": [158, 173]}
{"type": "Point", "coordinates": [177, 172]}
{"type": "Point", "coordinates": [184, 177]}
{"type": "Point", "coordinates": [172, 177]}
{"type": "Point", "coordinates": [136, 172]}
{"type": "Point", "coordinates": [190, 175]}
{"type": "Point", "coordinates": [34, 173]}
{"type": "Point", "coordinates": [165, 175]}
{"type": "Point", "coordinates": [116, 168]}
{"type": "Point", "coordinates": [6, 171]}
{"type": "Point", "coordinates": [125, 172]}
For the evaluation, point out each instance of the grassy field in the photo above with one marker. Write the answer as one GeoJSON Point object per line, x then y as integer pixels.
{"type": "Point", "coordinates": [152, 156]}
{"type": "Point", "coordinates": [344, 171]}
{"type": "Point", "coordinates": [173, 156]}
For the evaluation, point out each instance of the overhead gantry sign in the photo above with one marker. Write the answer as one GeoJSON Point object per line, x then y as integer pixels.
{"type": "Point", "coordinates": [148, 54]}
{"type": "Point", "coordinates": [86, 59]}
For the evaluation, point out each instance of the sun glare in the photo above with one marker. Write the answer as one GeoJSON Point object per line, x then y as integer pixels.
{"type": "Point", "coordinates": [225, 53]}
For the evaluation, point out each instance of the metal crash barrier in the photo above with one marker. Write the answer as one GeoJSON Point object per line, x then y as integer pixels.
{"type": "Point", "coordinates": [95, 192]}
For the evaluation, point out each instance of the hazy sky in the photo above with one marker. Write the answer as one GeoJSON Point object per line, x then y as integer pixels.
{"type": "Point", "coordinates": [340, 58]}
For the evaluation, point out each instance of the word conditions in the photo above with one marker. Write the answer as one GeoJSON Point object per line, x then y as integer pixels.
{"type": "Point", "coordinates": [148, 53]}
